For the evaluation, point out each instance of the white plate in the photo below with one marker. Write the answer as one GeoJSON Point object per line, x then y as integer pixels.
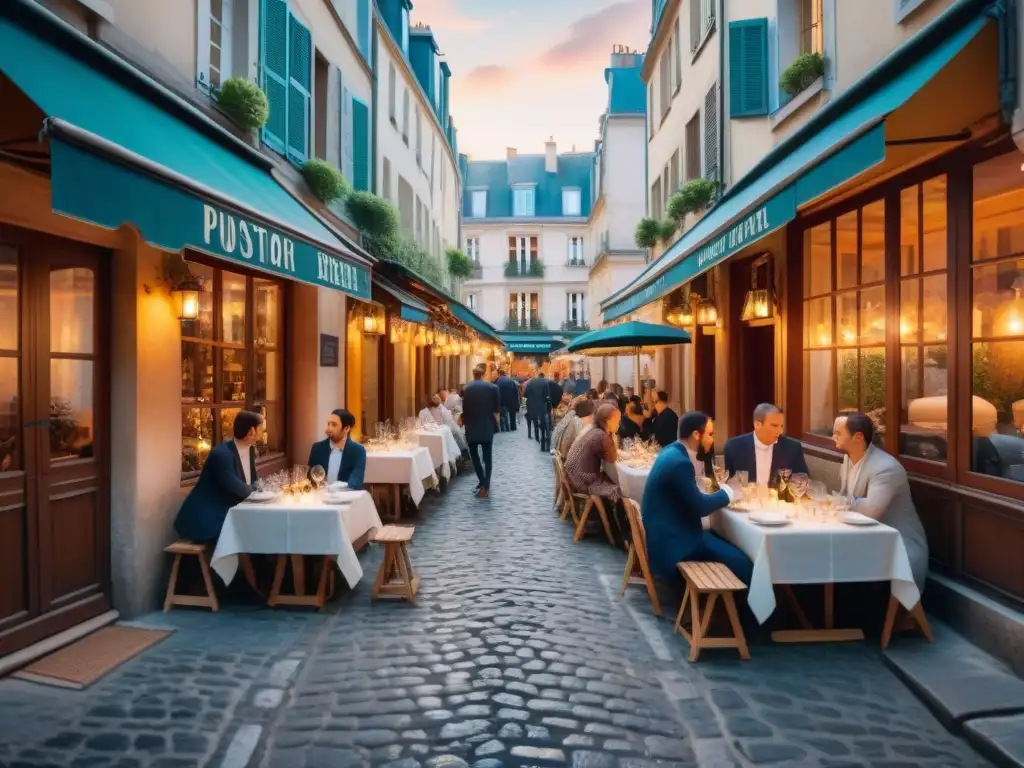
{"type": "Point", "coordinates": [769, 518]}
{"type": "Point", "coordinates": [856, 518]}
{"type": "Point", "coordinates": [259, 497]}
{"type": "Point", "coordinates": [334, 499]}
{"type": "Point", "coordinates": [337, 486]}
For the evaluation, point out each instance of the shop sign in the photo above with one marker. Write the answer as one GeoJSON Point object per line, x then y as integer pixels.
{"type": "Point", "coordinates": [533, 348]}
{"type": "Point", "coordinates": [328, 351]}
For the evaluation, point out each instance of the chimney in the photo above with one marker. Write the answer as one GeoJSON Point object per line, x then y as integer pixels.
{"type": "Point", "coordinates": [510, 153]}
{"type": "Point", "coordinates": [551, 156]}
{"type": "Point", "coordinates": [624, 57]}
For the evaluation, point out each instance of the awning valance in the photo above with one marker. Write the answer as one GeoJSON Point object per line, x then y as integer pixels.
{"type": "Point", "coordinates": [411, 309]}
{"type": "Point", "coordinates": [126, 151]}
{"type": "Point", "coordinates": [534, 343]}
{"type": "Point", "coordinates": [846, 139]}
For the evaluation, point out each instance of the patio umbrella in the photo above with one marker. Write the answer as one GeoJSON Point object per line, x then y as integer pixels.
{"type": "Point", "coordinates": [628, 337]}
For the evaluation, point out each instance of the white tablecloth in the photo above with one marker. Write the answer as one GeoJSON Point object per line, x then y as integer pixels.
{"type": "Point", "coordinates": [812, 552]}
{"type": "Point", "coordinates": [630, 479]}
{"type": "Point", "coordinates": [443, 448]}
{"type": "Point", "coordinates": [409, 467]}
{"type": "Point", "coordinates": [279, 528]}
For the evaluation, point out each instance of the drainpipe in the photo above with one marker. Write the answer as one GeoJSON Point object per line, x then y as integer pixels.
{"type": "Point", "coordinates": [374, 54]}
{"type": "Point", "coordinates": [722, 34]}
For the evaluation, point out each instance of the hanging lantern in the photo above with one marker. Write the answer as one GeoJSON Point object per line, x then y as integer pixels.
{"type": "Point", "coordinates": [707, 313]}
{"type": "Point", "coordinates": [758, 304]}
{"type": "Point", "coordinates": [186, 299]}
{"type": "Point", "coordinates": [466, 348]}
{"type": "Point", "coordinates": [430, 336]}
{"type": "Point", "coordinates": [420, 337]}
{"type": "Point", "coordinates": [373, 320]}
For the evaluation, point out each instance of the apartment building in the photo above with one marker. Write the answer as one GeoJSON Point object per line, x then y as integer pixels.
{"type": "Point", "coordinates": [525, 228]}
{"type": "Point", "coordinates": [862, 254]}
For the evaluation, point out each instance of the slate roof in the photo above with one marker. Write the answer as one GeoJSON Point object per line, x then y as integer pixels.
{"type": "Point", "coordinates": [498, 176]}
{"type": "Point", "coordinates": [627, 94]}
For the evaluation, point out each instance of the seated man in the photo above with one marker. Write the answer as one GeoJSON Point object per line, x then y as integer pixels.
{"type": "Point", "coordinates": [632, 427]}
{"type": "Point", "coordinates": [663, 421]}
{"type": "Point", "coordinates": [227, 479]}
{"type": "Point", "coordinates": [673, 507]}
{"type": "Point", "coordinates": [342, 457]}
{"type": "Point", "coordinates": [580, 419]}
{"type": "Point", "coordinates": [877, 483]}
{"type": "Point", "coordinates": [763, 452]}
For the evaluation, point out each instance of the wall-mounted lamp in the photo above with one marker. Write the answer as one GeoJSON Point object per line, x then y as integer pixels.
{"type": "Point", "coordinates": [373, 321]}
{"type": "Point", "coordinates": [707, 313]}
{"type": "Point", "coordinates": [186, 299]}
{"type": "Point", "coordinates": [759, 303]}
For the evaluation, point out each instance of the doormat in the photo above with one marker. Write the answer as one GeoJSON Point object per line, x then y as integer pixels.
{"type": "Point", "coordinates": [81, 664]}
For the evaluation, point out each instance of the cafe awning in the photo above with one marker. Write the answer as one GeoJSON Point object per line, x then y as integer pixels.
{"type": "Point", "coordinates": [534, 342]}
{"type": "Point", "coordinates": [470, 318]}
{"type": "Point", "coordinates": [125, 150]}
{"type": "Point", "coordinates": [411, 308]}
{"type": "Point", "coordinates": [843, 140]}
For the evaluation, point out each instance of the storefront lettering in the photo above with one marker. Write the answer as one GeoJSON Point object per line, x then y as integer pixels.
{"type": "Point", "coordinates": [250, 240]}
{"type": "Point", "coordinates": [336, 272]}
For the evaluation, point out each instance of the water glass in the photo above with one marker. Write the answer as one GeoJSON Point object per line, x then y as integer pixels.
{"type": "Point", "coordinates": [743, 477]}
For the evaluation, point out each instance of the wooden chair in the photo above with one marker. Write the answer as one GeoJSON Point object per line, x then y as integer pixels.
{"type": "Point", "coordinates": [183, 548]}
{"type": "Point", "coordinates": [716, 581]}
{"type": "Point", "coordinates": [638, 571]}
{"type": "Point", "coordinates": [572, 503]}
{"type": "Point", "coordinates": [914, 616]}
{"type": "Point", "coordinates": [593, 501]}
{"type": "Point", "coordinates": [559, 483]}
{"type": "Point", "coordinates": [396, 577]}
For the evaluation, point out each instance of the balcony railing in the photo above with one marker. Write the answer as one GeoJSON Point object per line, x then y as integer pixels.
{"type": "Point", "coordinates": [532, 269]}
{"type": "Point", "coordinates": [575, 325]}
{"type": "Point", "coordinates": [478, 271]}
{"type": "Point", "coordinates": [513, 323]}
{"type": "Point", "coordinates": [578, 261]}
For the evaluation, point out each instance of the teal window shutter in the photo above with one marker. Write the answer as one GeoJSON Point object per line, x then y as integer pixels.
{"type": "Point", "coordinates": [274, 70]}
{"type": "Point", "coordinates": [363, 22]}
{"type": "Point", "coordinates": [748, 67]}
{"type": "Point", "coordinates": [360, 145]}
{"type": "Point", "coordinates": [300, 75]}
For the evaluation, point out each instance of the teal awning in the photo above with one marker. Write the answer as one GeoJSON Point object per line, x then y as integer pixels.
{"type": "Point", "coordinates": [412, 309]}
{"type": "Point", "coordinates": [471, 319]}
{"type": "Point", "coordinates": [845, 139]}
{"type": "Point", "coordinates": [126, 151]}
{"type": "Point", "coordinates": [631, 334]}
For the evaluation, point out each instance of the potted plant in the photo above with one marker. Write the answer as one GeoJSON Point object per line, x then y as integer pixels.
{"type": "Point", "coordinates": [244, 102]}
{"type": "Point", "coordinates": [325, 181]}
{"type": "Point", "coordinates": [805, 69]}
{"type": "Point", "coordinates": [458, 263]}
{"type": "Point", "coordinates": [375, 218]}
{"type": "Point", "coordinates": [647, 232]}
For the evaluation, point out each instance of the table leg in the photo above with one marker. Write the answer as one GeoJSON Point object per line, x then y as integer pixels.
{"type": "Point", "coordinates": [794, 604]}
{"type": "Point", "coordinates": [830, 606]}
{"type": "Point", "coordinates": [397, 496]}
{"type": "Point", "coordinates": [245, 561]}
{"type": "Point", "coordinates": [828, 634]}
{"type": "Point", "coordinates": [299, 574]}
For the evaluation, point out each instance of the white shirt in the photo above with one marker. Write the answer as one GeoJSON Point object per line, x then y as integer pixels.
{"type": "Point", "coordinates": [243, 455]}
{"type": "Point", "coordinates": [763, 456]}
{"type": "Point", "coordinates": [334, 462]}
{"type": "Point", "coordinates": [853, 474]}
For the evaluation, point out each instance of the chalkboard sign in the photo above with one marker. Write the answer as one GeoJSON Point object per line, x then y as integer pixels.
{"type": "Point", "coordinates": [328, 351]}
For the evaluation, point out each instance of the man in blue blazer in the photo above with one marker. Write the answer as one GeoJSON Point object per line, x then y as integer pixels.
{"type": "Point", "coordinates": [481, 407]}
{"type": "Point", "coordinates": [509, 401]}
{"type": "Point", "coordinates": [538, 409]}
{"type": "Point", "coordinates": [673, 507]}
{"type": "Point", "coordinates": [342, 457]}
{"type": "Point", "coordinates": [763, 452]}
{"type": "Point", "coordinates": [227, 479]}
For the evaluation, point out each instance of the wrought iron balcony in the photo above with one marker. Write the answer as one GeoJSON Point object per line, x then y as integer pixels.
{"type": "Point", "coordinates": [575, 325]}
{"type": "Point", "coordinates": [532, 269]}
{"type": "Point", "coordinates": [513, 323]}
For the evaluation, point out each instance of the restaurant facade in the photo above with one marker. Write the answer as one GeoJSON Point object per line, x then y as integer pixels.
{"type": "Point", "coordinates": [872, 261]}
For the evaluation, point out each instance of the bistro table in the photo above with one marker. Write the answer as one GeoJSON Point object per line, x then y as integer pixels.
{"type": "Point", "coordinates": [400, 466]}
{"type": "Point", "coordinates": [816, 552]}
{"type": "Point", "coordinates": [442, 446]}
{"type": "Point", "coordinates": [632, 480]}
{"type": "Point", "coordinates": [298, 526]}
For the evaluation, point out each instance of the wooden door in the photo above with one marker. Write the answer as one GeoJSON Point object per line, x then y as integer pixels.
{"type": "Point", "coordinates": [54, 411]}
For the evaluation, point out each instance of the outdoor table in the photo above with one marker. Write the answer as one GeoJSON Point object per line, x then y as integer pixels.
{"type": "Point", "coordinates": [632, 481]}
{"type": "Point", "coordinates": [442, 446]}
{"type": "Point", "coordinates": [816, 552]}
{"type": "Point", "coordinates": [298, 527]}
{"type": "Point", "coordinates": [412, 467]}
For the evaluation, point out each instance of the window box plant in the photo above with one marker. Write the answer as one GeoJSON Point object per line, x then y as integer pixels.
{"type": "Point", "coordinates": [805, 69]}
{"type": "Point", "coordinates": [244, 102]}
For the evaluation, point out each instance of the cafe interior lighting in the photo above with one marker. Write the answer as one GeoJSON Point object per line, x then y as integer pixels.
{"type": "Point", "coordinates": [186, 299]}
{"type": "Point", "coordinates": [430, 336]}
{"type": "Point", "coordinates": [707, 313]}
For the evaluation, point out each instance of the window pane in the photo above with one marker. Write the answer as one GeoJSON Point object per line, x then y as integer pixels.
{"type": "Point", "coordinates": [846, 250]}
{"type": "Point", "coordinates": [71, 408]}
{"type": "Point", "coordinates": [910, 299]}
{"type": "Point", "coordinates": [71, 310]}
{"type": "Point", "coordinates": [233, 308]}
{"type": "Point", "coordinates": [849, 380]}
{"type": "Point", "coordinates": [202, 327]}
{"type": "Point", "coordinates": [872, 385]}
{"type": "Point", "coordinates": [873, 243]}
{"type": "Point", "coordinates": [818, 322]}
{"type": "Point", "coordinates": [268, 376]}
{"type": "Point", "coordinates": [9, 426]}
{"type": "Point", "coordinates": [924, 403]}
{"type": "Point", "coordinates": [226, 417]}
{"type": "Point", "coordinates": [196, 438]}
{"type": "Point", "coordinates": [910, 262]}
{"type": "Point", "coordinates": [8, 299]}
{"type": "Point", "coordinates": [934, 314]}
{"type": "Point", "coordinates": [998, 208]}
{"type": "Point", "coordinates": [819, 376]}
{"type": "Point", "coordinates": [998, 406]}
{"type": "Point", "coordinates": [268, 312]}
{"type": "Point", "coordinates": [934, 254]}
{"type": "Point", "coordinates": [818, 260]}
{"type": "Point", "coordinates": [196, 372]}
{"type": "Point", "coordinates": [270, 440]}
{"type": "Point", "coordinates": [846, 321]}
{"type": "Point", "coordinates": [998, 300]}
{"type": "Point", "coordinates": [232, 375]}
{"type": "Point", "coordinates": [872, 315]}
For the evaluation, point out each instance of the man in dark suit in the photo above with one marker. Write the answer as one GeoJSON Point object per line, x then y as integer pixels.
{"type": "Point", "coordinates": [342, 457]}
{"type": "Point", "coordinates": [673, 507]}
{"type": "Point", "coordinates": [763, 452]}
{"type": "Point", "coordinates": [664, 422]}
{"type": "Point", "coordinates": [481, 408]}
{"type": "Point", "coordinates": [538, 410]}
{"type": "Point", "coordinates": [632, 427]}
{"type": "Point", "coordinates": [227, 479]}
{"type": "Point", "coordinates": [509, 392]}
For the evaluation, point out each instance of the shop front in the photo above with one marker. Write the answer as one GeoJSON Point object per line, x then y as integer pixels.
{"type": "Point", "coordinates": [154, 280]}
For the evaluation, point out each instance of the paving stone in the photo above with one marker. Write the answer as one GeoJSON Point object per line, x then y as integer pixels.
{"type": "Point", "coordinates": [549, 754]}
{"type": "Point", "coordinates": [587, 759]}
{"type": "Point", "coordinates": [1000, 738]}
{"type": "Point", "coordinates": [492, 747]}
{"type": "Point", "coordinates": [511, 731]}
{"type": "Point", "coordinates": [463, 729]}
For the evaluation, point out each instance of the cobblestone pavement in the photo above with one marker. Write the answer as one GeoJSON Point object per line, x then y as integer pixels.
{"type": "Point", "coordinates": [520, 652]}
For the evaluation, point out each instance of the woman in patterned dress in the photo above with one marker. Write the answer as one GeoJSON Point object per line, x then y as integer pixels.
{"type": "Point", "coordinates": [583, 465]}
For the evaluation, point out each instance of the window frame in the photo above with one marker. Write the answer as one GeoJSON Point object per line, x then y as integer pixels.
{"type": "Point", "coordinates": [579, 201]}
{"type": "Point", "coordinates": [204, 42]}
{"type": "Point", "coordinates": [516, 190]}
{"type": "Point", "coordinates": [472, 203]}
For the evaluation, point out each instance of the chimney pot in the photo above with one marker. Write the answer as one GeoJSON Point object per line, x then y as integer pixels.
{"type": "Point", "coordinates": [510, 152]}
{"type": "Point", "coordinates": [551, 156]}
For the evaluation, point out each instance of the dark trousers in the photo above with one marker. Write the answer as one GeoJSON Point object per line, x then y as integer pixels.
{"type": "Point", "coordinates": [543, 429]}
{"type": "Point", "coordinates": [483, 469]}
{"type": "Point", "coordinates": [513, 417]}
{"type": "Point", "coordinates": [504, 421]}
{"type": "Point", "coordinates": [717, 550]}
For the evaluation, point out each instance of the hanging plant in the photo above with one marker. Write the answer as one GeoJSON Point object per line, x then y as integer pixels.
{"type": "Point", "coordinates": [325, 181]}
{"type": "Point", "coordinates": [375, 217]}
{"type": "Point", "coordinates": [694, 196]}
{"type": "Point", "coordinates": [647, 233]}
{"type": "Point", "coordinates": [805, 69]}
{"type": "Point", "coordinates": [458, 263]}
{"type": "Point", "coordinates": [667, 230]}
{"type": "Point", "coordinates": [244, 102]}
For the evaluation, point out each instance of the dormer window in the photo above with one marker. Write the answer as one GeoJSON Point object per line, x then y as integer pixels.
{"type": "Point", "coordinates": [523, 199]}
{"type": "Point", "coordinates": [479, 204]}
{"type": "Point", "coordinates": [571, 202]}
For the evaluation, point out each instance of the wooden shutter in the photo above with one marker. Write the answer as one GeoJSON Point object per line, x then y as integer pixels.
{"type": "Point", "coordinates": [360, 145]}
{"type": "Point", "coordinates": [300, 74]}
{"type": "Point", "coordinates": [347, 136]}
{"type": "Point", "coordinates": [274, 70]}
{"type": "Point", "coordinates": [693, 147]}
{"type": "Point", "coordinates": [711, 133]}
{"type": "Point", "coordinates": [695, 30]}
{"type": "Point", "coordinates": [748, 67]}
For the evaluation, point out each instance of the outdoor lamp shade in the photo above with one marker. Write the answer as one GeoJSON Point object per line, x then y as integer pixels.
{"type": "Point", "coordinates": [465, 348]}
{"type": "Point", "coordinates": [757, 305]}
{"type": "Point", "coordinates": [707, 312]}
{"type": "Point", "coordinates": [186, 299]}
{"type": "Point", "coordinates": [373, 323]}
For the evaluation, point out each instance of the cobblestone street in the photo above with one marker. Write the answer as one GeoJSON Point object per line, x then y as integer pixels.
{"type": "Point", "coordinates": [520, 652]}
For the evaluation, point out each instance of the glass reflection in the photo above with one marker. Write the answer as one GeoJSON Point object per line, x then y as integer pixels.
{"type": "Point", "coordinates": [233, 308]}
{"type": "Point", "coordinates": [268, 312]}
{"type": "Point", "coordinates": [72, 294]}
{"type": "Point", "coordinates": [818, 322]}
{"type": "Point", "coordinates": [9, 426]}
{"type": "Point", "coordinates": [846, 250]}
{"type": "Point", "coordinates": [202, 326]}
{"type": "Point", "coordinates": [818, 260]}
{"type": "Point", "coordinates": [9, 299]}
{"type": "Point", "coordinates": [872, 243]}
{"type": "Point", "coordinates": [819, 373]}
{"type": "Point", "coordinates": [872, 315]}
{"type": "Point", "coordinates": [196, 438]}
{"type": "Point", "coordinates": [935, 233]}
{"type": "Point", "coordinates": [71, 408]}
{"type": "Point", "coordinates": [196, 372]}
{"type": "Point", "coordinates": [232, 375]}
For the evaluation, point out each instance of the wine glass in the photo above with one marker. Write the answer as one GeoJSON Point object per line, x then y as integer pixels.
{"type": "Point", "coordinates": [318, 474]}
{"type": "Point", "coordinates": [798, 486]}
{"type": "Point", "coordinates": [743, 477]}
{"type": "Point", "coordinates": [818, 493]}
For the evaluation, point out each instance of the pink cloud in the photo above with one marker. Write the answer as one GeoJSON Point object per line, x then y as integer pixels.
{"type": "Point", "coordinates": [444, 14]}
{"type": "Point", "coordinates": [589, 40]}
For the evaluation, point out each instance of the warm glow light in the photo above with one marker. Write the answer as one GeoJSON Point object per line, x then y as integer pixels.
{"type": "Point", "coordinates": [430, 336]}
{"type": "Point", "coordinates": [849, 336]}
{"type": "Point", "coordinates": [905, 327]}
{"type": "Point", "coordinates": [707, 313]}
{"type": "Point", "coordinates": [204, 446]}
{"type": "Point", "coordinates": [1015, 326]}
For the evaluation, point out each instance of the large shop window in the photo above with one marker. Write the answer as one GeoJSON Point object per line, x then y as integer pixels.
{"type": "Point", "coordinates": [997, 319]}
{"type": "Point", "coordinates": [231, 359]}
{"type": "Point", "coordinates": [844, 319]}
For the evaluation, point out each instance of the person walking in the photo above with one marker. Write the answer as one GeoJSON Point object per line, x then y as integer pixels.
{"type": "Point", "coordinates": [538, 409]}
{"type": "Point", "coordinates": [509, 401]}
{"type": "Point", "coordinates": [481, 408]}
